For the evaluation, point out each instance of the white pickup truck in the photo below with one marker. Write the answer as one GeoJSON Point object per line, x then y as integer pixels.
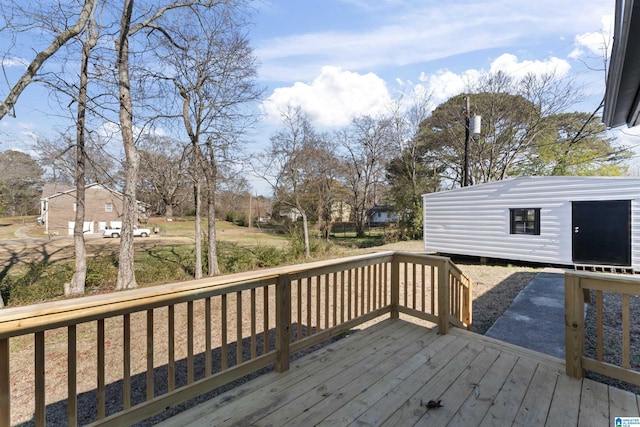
{"type": "Point", "coordinates": [116, 231]}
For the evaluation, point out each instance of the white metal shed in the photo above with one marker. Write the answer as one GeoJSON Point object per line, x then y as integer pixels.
{"type": "Point", "coordinates": [591, 221]}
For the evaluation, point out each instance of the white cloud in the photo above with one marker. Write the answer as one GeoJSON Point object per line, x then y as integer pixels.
{"type": "Point", "coordinates": [446, 83]}
{"type": "Point", "coordinates": [597, 43]}
{"type": "Point", "coordinates": [332, 98]}
{"type": "Point", "coordinates": [509, 64]}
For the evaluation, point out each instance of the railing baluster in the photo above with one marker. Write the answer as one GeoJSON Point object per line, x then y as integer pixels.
{"type": "Point", "coordinates": [171, 350]}
{"type": "Point", "coordinates": [207, 337]}
{"type": "Point", "coordinates": [265, 320]}
{"type": "Point", "coordinates": [363, 295]}
{"type": "Point", "coordinates": [101, 371]}
{"type": "Point", "coordinates": [318, 308]}
{"type": "Point", "coordinates": [150, 376]}
{"type": "Point", "coordinates": [414, 283]}
{"type": "Point", "coordinates": [72, 383]}
{"type": "Point", "coordinates": [335, 299]}
{"type": "Point", "coordinates": [309, 298]}
{"type": "Point", "coordinates": [299, 300]}
{"type": "Point", "coordinates": [386, 282]}
{"type": "Point", "coordinates": [326, 301]}
{"type": "Point", "coordinates": [423, 282]}
{"type": "Point", "coordinates": [349, 295]}
{"type": "Point", "coordinates": [342, 308]}
{"type": "Point", "coordinates": [39, 415]}
{"type": "Point", "coordinates": [377, 269]}
{"type": "Point", "coordinates": [626, 326]}
{"type": "Point", "coordinates": [368, 289]}
{"type": "Point", "coordinates": [406, 284]}
{"type": "Point", "coordinates": [356, 295]}
{"type": "Point", "coordinates": [190, 325]}
{"type": "Point", "coordinates": [599, 327]}
{"type": "Point", "coordinates": [126, 361]}
{"type": "Point", "coordinates": [254, 350]}
{"type": "Point", "coordinates": [239, 346]}
{"type": "Point", "coordinates": [5, 383]}
{"type": "Point", "coordinates": [224, 363]}
{"type": "Point", "coordinates": [433, 289]}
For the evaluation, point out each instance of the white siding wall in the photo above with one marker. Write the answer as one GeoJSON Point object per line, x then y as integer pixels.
{"type": "Point", "coordinates": [475, 220]}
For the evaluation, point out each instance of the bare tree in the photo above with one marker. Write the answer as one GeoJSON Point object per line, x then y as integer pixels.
{"type": "Point", "coordinates": [410, 172]}
{"type": "Point", "coordinates": [21, 179]}
{"type": "Point", "coordinates": [78, 279]}
{"type": "Point", "coordinates": [215, 69]}
{"type": "Point", "coordinates": [286, 166]}
{"type": "Point", "coordinates": [63, 36]}
{"type": "Point", "coordinates": [58, 157]}
{"type": "Point", "coordinates": [163, 172]}
{"type": "Point", "coordinates": [367, 146]}
{"type": "Point", "coordinates": [158, 27]}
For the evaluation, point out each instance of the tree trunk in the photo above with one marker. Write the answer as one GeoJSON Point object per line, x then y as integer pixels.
{"type": "Point", "coordinates": [211, 175]}
{"type": "Point", "coordinates": [79, 278]}
{"type": "Point", "coordinates": [212, 243]}
{"type": "Point", "coordinates": [168, 211]}
{"type": "Point", "coordinates": [305, 232]}
{"type": "Point", "coordinates": [198, 225]}
{"type": "Point", "coordinates": [126, 273]}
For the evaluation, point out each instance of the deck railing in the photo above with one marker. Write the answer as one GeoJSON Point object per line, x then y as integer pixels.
{"type": "Point", "coordinates": [120, 358]}
{"type": "Point", "coordinates": [579, 288]}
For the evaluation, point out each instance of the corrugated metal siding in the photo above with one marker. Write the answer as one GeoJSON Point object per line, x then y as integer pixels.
{"type": "Point", "coordinates": [475, 220]}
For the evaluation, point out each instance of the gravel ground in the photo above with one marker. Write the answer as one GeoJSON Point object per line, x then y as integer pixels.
{"type": "Point", "coordinates": [612, 336]}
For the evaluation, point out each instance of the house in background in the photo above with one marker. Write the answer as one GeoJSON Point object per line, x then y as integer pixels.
{"type": "Point", "coordinates": [381, 215]}
{"type": "Point", "coordinates": [103, 207]}
{"type": "Point", "coordinates": [564, 220]}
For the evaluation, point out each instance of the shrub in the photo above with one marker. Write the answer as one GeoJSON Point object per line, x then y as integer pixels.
{"type": "Point", "coordinates": [39, 282]}
{"type": "Point", "coordinates": [102, 272]}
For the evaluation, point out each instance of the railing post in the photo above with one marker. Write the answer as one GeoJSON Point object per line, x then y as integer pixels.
{"type": "Point", "coordinates": [395, 287]}
{"type": "Point", "coordinates": [5, 384]}
{"type": "Point", "coordinates": [573, 325]}
{"type": "Point", "coordinates": [283, 322]}
{"type": "Point", "coordinates": [443, 297]}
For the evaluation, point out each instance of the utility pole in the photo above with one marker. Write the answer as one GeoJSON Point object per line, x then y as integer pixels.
{"type": "Point", "coordinates": [471, 128]}
{"type": "Point", "coordinates": [466, 181]}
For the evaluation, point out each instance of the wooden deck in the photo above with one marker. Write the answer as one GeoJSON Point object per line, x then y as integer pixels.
{"type": "Point", "coordinates": [386, 374]}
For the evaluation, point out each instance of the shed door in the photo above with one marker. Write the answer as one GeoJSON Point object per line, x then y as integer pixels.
{"type": "Point", "coordinates": [602, 232]}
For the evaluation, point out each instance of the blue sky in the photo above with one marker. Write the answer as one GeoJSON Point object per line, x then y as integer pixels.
{"type": "Point", "coordinates": [340, 58]}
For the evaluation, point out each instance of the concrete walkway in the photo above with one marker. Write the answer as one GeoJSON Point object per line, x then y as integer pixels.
{"type": "Point", "coordinates": [535, 319]}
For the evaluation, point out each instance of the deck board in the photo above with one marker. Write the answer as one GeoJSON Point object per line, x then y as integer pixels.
{"type": "Point", "coordinates": [385, 375]}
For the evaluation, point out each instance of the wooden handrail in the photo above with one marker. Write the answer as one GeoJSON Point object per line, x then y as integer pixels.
{"type": "Point", "coordinates": [313, 302]}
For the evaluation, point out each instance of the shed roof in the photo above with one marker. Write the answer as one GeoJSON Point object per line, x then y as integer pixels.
{"type": "Point", "coordinates": [526, 182]}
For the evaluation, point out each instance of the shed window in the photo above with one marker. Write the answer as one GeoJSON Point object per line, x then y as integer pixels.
{"type": "Point", "coordinates": [525, 221]}
{"type": "Point", "coordinates": [108, 207]}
